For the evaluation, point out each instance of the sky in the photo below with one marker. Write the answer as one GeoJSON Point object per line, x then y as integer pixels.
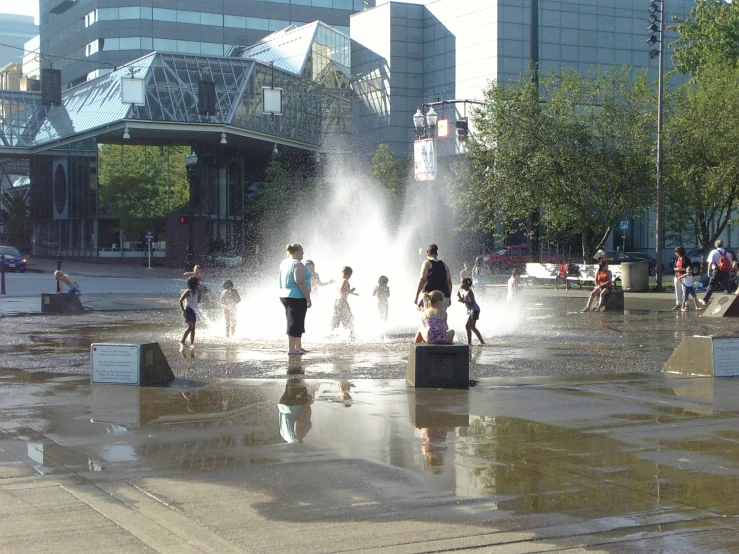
{"type": "Point", "coordinates": [20, 7]}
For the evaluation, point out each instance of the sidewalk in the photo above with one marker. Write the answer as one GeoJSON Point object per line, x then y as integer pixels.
{"type": "Point", "coordinates": [628, 463]}
{"type": "Point", "coordinates": [89, 269]}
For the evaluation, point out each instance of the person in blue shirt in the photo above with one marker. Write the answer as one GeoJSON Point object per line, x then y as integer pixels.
{"type": "Point", "coordinates": [295, 296]}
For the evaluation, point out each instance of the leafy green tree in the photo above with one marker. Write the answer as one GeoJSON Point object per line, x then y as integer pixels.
{"type": "Point", "coordinates": [711, 33]}
{"type": "Point", "coordinates": [139, 184]}
{"type": "Point", "coordinates": [18, 213]}
{"type": "Point", "coordinates": [386, 170]}
{"type": "Point", "coordinates": [578, 156]}
{"type": "Point", "coordinates": [702, 162]}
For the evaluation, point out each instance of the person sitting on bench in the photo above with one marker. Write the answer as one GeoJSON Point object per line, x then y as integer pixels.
{"type": "Point", "coordinates": [603, 287]}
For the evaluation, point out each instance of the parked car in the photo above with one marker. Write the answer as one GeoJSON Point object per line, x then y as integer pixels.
{"type": "Point", "coordinates": [617, 258]}
{"type": "Point", "coordinates": [14, 260]}
{"type": "Point", "coordinates": [510, 257]}
{"type": "Point", "coordinates": [696, 256]}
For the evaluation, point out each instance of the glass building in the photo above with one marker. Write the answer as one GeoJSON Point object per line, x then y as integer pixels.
{"type": "Point", "coordinates": [84, 38]}
{"type": "Point", "coordinates": [59, 144]}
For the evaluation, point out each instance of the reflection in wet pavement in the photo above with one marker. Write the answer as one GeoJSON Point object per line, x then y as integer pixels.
{"type": "Point", "coordinates": [581, 447]}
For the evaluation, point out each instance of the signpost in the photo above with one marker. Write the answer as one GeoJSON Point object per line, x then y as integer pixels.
{"type": "Point", "coordinates": [424, 159]}
{"type": "Point", "coordinates": [624, 227]}
{"type": "Point", "coordinates": [149, 238]}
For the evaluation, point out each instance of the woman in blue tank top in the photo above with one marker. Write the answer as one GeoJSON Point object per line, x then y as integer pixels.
{"type": "Point", "coordinates": [295, 296]}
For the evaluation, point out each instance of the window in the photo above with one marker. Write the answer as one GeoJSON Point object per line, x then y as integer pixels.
{"type": "Point", "coordinates": [162, 14]}
{"type": "Point", "coordinates": [107, 14]}
{"type": "Point", "coordinates": [92, 47]}
{"type": "Point", "coordinates": [235, 21]}
{"type": "Point", "coordinates": [188, 47]}
{"type": "Point", "coordinates": [130, 43]}
{"type": "Point", "coordinates": [165, 45]}
{"type": "Point", "coordinates": [129, 13]}
{"type": "Point", "coordinates": [188, 17]}
{"type": "Point", "coordinates": [91, 18]}
{"type": "Point", "coordinates": [214, 19]}
{"type": "Point", "coordinates": [257, 23]}
{"type": "Point", "coordinates": [147, 43]}
{"type": "Point", "coordinates": [211, 49]}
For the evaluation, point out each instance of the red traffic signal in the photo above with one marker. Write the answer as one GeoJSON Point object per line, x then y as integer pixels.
{"type": "Point", "coordinates": [184, 220]}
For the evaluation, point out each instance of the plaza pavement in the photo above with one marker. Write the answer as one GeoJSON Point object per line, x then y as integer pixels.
{"type": "Point", "coordinates": [629, 462]}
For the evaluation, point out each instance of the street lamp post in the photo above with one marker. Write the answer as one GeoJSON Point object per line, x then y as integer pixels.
{"type": "Point", "coordinates": [191, 161]}
{"type": "Point", "coordinates": [424, 124]}
{"type": "Point", "coordinates": [656, 29]}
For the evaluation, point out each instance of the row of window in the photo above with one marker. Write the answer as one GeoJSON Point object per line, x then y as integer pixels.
{"type": "Point", "coordinates": [206, 18]}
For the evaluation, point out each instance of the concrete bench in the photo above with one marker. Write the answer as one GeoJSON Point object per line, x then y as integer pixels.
{"type": "Point", "coordinates": [61, 303]}
{"type": "Point", "coordinates": [442, 366]}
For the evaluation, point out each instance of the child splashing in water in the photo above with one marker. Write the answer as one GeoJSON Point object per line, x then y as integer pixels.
{"type": "Point", "coordinates": [382, 292]}
{"type": "Point", "coordinates": [342, 311]}
{"type": "Point", "coordinates": [230, 298]}
{"type": "Point", "coordinates": [189, 305]}
{"type": "Point", "coordinates": [473, 310]}
{"type": "Point", "coordinates": [434, 329]}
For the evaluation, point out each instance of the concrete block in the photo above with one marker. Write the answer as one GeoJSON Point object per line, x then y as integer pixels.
{"type": "Point", "coordinates": [615, 302]}
{"type": "Point", "coordinates": [724, 305]}
{"type": "Point", "coordinates": [443, 366]}
{"type": "Point", "coordinates": [129, 364]}
{"type": "Point", "coordinates": [713, 356]}
{"type": "Point", "coordinates": [61, 303]}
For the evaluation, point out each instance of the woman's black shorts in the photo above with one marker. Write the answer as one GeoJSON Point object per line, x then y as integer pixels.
{"type": "Point", "coordinates": [295, 310]}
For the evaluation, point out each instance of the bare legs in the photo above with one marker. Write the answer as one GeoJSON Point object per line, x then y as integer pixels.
{"type": "Point", "coordinates": [189, 331]}
{"type": "Point", "coordinates": [471, 327]}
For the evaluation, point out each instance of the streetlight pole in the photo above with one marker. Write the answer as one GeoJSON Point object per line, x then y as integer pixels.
{"type": "Point", "coordinates": [658, 52]}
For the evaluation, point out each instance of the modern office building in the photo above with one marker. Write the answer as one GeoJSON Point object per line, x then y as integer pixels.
{"type": "Point", "coordinates": [92, 36]}
{"type": "Point", "coordinates": [404, 55]}
{"type": "Point", "coordinates": [15, 30]}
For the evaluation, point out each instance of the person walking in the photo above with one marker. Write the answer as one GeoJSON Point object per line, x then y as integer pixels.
{"type": "Point", "coordinates": [295, 296]}
{"type": "Point", "coordinates": [435, 275]}
{"type": "Point", "coordinates": [719, 265]}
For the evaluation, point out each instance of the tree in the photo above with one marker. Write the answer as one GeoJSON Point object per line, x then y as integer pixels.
{"type": "Point", "coordinates": [386, 170]}
{"type": "Point", "coordinates": [711, 34]}
{"type": "Point", "coordinates": [18, 213]}
{"type": "Point", "coordinates": [578, 156]}
{"type": "Point", "coordinates": [702, 162]}
{"type": "Point", "coordinates": [139, 184]}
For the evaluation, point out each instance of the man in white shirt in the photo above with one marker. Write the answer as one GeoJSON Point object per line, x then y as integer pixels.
{"type": "Point", "coordinates": [717, 270]}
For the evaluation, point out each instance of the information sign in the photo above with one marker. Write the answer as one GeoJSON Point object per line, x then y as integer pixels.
{"type": "Point", "coordinates": [115, 363]}
{"type": "Point", "coordinates": [624, 225]}
{"type": "Point", "coordinates": [725, 360]}
{"type": "Point", "coordinates": [149, 236]}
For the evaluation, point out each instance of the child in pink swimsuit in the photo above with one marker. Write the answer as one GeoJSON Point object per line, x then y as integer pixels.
{"type": "Point", "coordinates": [434, 329]}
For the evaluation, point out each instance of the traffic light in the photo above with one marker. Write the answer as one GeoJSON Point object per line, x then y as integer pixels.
{"type": "Point", "coordinates": [184, 220]}
{"type": "Point", "coordinates": [463, 130]}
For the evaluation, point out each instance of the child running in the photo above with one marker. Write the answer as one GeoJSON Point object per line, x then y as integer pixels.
{"type": "Point", "coordinates": [229, 298]}
{"type": "Point", "coordinates": [688, 290]}
{"type": "Point", "coordinates": [434, 329]}
{"type": "Point", "coordinates": [382, 292]}
{"type": "Point", "coordinates": [342, 311]}
{"type": "Point", "coordinates": [473, 310]}
{"type": "Point", "coordinates": [188, 304]}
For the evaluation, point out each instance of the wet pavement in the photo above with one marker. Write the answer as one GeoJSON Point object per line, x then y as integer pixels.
{"type": "Point", "coordinates": [620, 463]}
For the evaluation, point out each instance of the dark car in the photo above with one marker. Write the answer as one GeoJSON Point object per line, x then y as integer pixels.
{"type": "Point", "coordinates": [14, 261]}
{"type": "Point", "coordinates": [619, 257]}
{"type": "Point", "coordinates": [696, 256]}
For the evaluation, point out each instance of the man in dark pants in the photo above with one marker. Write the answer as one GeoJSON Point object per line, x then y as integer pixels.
{"type": "Point", "coordinates": [435, 275]}
{"type": "Point", "coordinates": [718, 271]}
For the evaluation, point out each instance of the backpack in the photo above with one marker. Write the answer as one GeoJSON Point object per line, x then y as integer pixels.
{"type": "Point", "coordinates": [723, 264]}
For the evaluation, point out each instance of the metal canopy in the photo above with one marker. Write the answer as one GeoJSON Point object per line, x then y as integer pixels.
{"type": "Point", "coordinates": [95, 108]}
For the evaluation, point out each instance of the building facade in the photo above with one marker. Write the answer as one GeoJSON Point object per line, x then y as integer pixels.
{"type": "Point", "coordinates": [404, 55]}
{"type": "Point", "coordinates": [92, 36]}
{"type": "Point", "coordinates": [15, 30]}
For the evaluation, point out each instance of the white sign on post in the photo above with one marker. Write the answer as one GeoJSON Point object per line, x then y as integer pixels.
{"type": "Point", "coordinates": [115, 364]}
{"type": "Point", "coordinates": [133, 91]}
{"type": "Point", "coordinates": [725, 360]}
{"type": "Point", "coordinates": [424, 160]}
{"type": "Point", "coordinates": [272, 100]}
